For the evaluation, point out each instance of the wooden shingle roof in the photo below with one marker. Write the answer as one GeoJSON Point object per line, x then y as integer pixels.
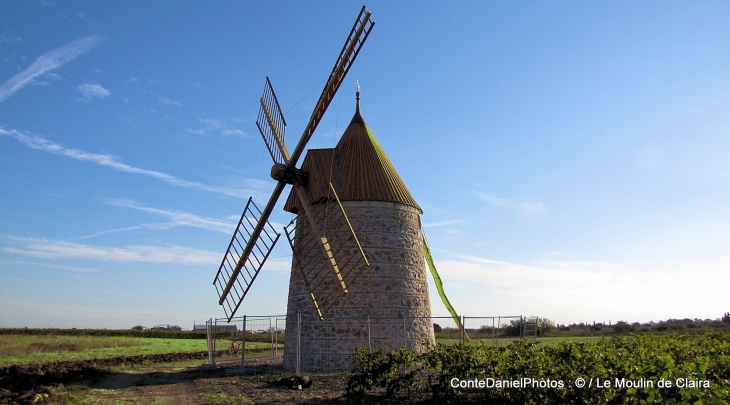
{"type": "Point", "coordinates": [358, 168]}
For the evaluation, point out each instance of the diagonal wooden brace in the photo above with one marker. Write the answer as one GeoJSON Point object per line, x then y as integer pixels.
{"type": "Point", "coordinates": [324, 244]}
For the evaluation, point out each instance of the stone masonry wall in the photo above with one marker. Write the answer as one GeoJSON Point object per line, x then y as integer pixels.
{"type": "Point", "coordinates": [387, 305]}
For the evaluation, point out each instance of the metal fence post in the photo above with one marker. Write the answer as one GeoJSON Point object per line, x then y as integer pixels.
{"type": "Point", "coordinates": [271, 336]}
{"type": "Point", "coordinates": [243, 343]}
{"type": "Point", "coordinates": [215, 336]}
{"type": "Point", "coordinates": [405, 338]}
{"type": "Point", "coordinates": [522, 327]}
{"type": "Point", "coordinates": [299, 330]}
{"type": "Point", "coordinates": [276, 337]}
{"type": "Point", "coordinates": [209, 335]}
{"type": "Point", "coordinates": [499, 326]}
{"type": "Point", "coordinates": [461, 335]}
{"type": "Point", "coordinates": [370, 346]}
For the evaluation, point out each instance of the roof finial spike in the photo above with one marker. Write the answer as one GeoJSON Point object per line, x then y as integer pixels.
{"type": "Point", "coordinates": [357, 95]}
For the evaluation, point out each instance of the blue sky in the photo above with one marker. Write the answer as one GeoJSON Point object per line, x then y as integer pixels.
{"type": "Point", "coordinates": [571, 158]}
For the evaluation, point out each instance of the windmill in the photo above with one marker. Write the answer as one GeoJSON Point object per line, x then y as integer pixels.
{"type": "Point", "coordinates": [254, 238]}
{"type": "Point", "coordinates": [358, 247]}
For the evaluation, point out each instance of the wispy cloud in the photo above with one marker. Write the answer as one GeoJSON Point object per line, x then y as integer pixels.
{"type": "Point", "coordinates": [544, 280]}
{"type": "Point", "coordinates": [10, 40]}
{"type": "Point", "coordinates": [591, 290]}
{"type": "Point", "coordinates": [167, 101]}
{"type": "Point", "coordinates": [526, 210]}
{"type": "Point", "coordinates": [73, 269]}
{"type": "Point", "coordinates": [442, 223]}
{"type": "Point", "coordinates": [19, 312]}
{"type": "Point", "coordinates": [90, 91]}
{"type": "Point", "coordinates": [108, 231]}
{"type": "Point", "coordinates": [57, 249]}
{"type": "Point", "coordinates": [47, 62]}
{"type": "Point", "coordinates": [178, 217]}
{"type": "Point", "coordinates": [40, 143]}
{"type": "Point", "coordinates": [210, 126]}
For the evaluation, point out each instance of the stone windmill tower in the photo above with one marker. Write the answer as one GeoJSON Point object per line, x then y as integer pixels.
{"type": "Point", "coordinates": [357, 244]}
{"type": "Point", "coordinates": [393, 290]}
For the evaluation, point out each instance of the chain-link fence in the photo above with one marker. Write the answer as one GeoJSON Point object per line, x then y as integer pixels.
{"type": "Point", "coordinates": [498, 330]}
{"type": "Point", "coordinates": [247, 341]}
{"type": "Point", "coordinates": [298, 343]}
{"type": "Point", "coordinates": [326, 345]}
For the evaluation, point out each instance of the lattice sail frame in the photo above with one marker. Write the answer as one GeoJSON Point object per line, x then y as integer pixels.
{"type": "Point", "coordinates": [324, 285]}
{"type": "Point", "coordinates": [251, 268]}
{"type": "Point", "coordinates": [272, 125]}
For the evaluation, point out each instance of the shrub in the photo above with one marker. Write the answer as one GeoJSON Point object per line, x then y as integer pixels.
{"type": "Point", "coordinates": [393, 370]}
{"type": "Point", "coordinates": [646, 357]}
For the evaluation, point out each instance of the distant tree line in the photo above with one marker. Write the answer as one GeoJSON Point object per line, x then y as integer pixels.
{"type": "Point", "coordinates": [669, 325]}
{"type": "Point", "coordinates": [147, 333]}
{"type": "Point", "coordinates": [161, 327]}
{"type": "Point", "coordinates": [545, 327]}
{"type": "Point", "coordinates": [511, 329]}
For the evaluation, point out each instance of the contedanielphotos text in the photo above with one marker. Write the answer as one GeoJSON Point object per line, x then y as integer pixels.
{"type": "Point", "coordinates": [526, 382]}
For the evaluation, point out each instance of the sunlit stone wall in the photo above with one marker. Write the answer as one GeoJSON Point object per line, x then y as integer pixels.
{"type": "Point", "coordinates": [387, 305]}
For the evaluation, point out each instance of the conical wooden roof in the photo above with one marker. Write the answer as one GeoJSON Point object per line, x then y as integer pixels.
{"type": "Point", "coordinates": [357, 167]}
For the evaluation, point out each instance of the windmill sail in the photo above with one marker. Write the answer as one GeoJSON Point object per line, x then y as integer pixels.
{"type": "Point", "coordinates": [271, 124]}
{"type": "Point", "coordinates": [251, 267]}
{"type": "Point", "coordinates": [358, 34]}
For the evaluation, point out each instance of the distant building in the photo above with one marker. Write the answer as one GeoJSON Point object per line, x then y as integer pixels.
{"type": "Point", "coordinates": [226, 328]}
{"type": "Point", "coordinates": [220, 328]}
{"type": "Point", "coordinates": [165, 327]}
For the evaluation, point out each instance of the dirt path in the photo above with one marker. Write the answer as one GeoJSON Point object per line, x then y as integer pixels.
{"type": "Point", "coordinates": [174, 382]}
{"type": "Point", "coordinates": [151, 386]}
{"type": "Point", "coordinates": [33, 383]}
{"type": "Point", "coordinates": [188, 383]}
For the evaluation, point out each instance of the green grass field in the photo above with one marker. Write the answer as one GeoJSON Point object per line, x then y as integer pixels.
{"type": "Point", "coordinates": [24, 349]}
